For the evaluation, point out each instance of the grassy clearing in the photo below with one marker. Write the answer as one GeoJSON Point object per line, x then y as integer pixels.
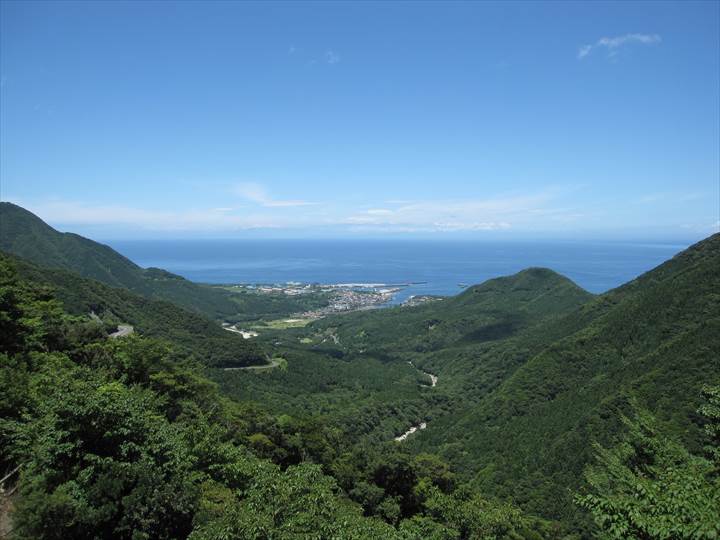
{"type": "Point", "coordinates": [283, 324]}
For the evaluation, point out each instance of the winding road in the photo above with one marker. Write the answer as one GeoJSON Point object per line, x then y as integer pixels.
{"type": "Point", "coordinates": [122, 331]}
{"type": "Point", "coordinates": [421, 425]}
{"type": "Point", "coordinates": [274, 362]}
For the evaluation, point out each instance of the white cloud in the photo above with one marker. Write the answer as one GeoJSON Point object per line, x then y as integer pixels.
{"type": "Point", "coordinates": [702, 227]}
{"type": "Point", "coordinates": [461, 215]}
{"type": "Point", "coordinates": [473, 226]}
{"type": "Point", "coordinates": [671, 197]}
{"type": "Point", "coordinates": [74, 213]}
{"type": "Point", "coordinates": [258, 194]}
{"type": "Point", "coordinates": [331, 57]}
{"type": "Point", "coordinates": [513, 211]}
{"type": "Point", "coordinates": [612, 44]}
{"type": "Point", "coordinates": [652, 198]}
{"type": "Point", "coordinates": [584, 51]}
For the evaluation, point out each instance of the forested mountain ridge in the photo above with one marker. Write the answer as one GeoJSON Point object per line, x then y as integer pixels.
{"type": "Point", "coordinates": [361, 371]}
{"type": "Point", "coordinates": [473, 341]}
{"type": "Point", "coordinates": [24, 234]}
{"type": "Point", "coordinates": [126, 439]}
{"type": "Point", "coordinates": [496, 309]}
{"type": "Point", "coordinates": [189, 331]}
{"type": "Point", "coordinates": [532, 371]}
{"type": "Point", "coordinates": [650, 343]}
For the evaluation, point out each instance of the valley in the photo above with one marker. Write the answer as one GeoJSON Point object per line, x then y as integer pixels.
{"type": "Point", "coordinates": [497, 394]}
{"type": "Point", "coordinates": [332, 298]}
{"type": "Point", "coordinates": [359, 270]}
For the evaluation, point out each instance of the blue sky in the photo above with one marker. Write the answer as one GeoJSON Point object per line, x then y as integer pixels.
{"type": "Point", "coordinates": [487, 120]}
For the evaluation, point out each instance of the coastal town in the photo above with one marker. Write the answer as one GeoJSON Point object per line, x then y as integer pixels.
{"type": "Point", "coordinates": [341, 297]}
{"type": "Point", "coordinates": [353, 297]}
{"type": "Point", "coordinates": [336, 298]}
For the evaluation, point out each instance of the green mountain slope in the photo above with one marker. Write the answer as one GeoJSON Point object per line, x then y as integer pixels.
{"type": "Point", "coordinates": [653, 341]}
{"type": "Point", "coordinates": [495, 310]}
{"type": "Point", "coordinates": [533, 370]}
{"type": "Point", "coordinates": [473, 341]}
{"type": "Point", "coordinates": [189, 331]}
{"type": "Point", "coordinates": [126, 439]}
{"type": "Point", "coordinates": [358, 362]}
{"type": "Point", "coordinates": [24, 234]}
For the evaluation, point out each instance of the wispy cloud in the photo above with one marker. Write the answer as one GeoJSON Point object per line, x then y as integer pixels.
{"type": "Point", "coordinates": [672, 197]}
{"type": "Point", "coordinates": [613, 44]}
{"type": "Point", "coordinates": [490, 214]}
{"type": "Point", "coordinates": [74, 213]}
{"type": "Point", "coordinates": [515, 212]}
{"type": "Point", "coordinates": [584, 51]}
{"type": "Point", "coordinates": [331, 57]}
{"type": "Point", "coordinates": [257, 194]}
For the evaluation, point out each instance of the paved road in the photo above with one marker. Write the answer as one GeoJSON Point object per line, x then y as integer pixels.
{"type": "Point", "coordinates": [122, 331]}
{"type": "Point", "coordinates": [275, 362]}
{"type": "Point", "coordinates": [421, 425]}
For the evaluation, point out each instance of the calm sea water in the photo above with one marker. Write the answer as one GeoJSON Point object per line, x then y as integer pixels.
{"type": "Point", "coordinates": [433, 267]}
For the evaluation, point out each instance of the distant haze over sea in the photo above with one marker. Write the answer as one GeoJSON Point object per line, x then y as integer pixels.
{"type": "Point", "coordinates": [431, 267]}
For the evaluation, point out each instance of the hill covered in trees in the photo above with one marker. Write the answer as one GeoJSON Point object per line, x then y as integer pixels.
{"type": "Point", "coordinates": [24, 234]}
{"type": "Point", "coordinates": [533, 371]}
{"type": "Point", "coordinates": [549, 412]}
{"type": "Point", "coordinates": [651, 343]}
{"type": "Point", "coordinates": [27, 236]}
{"type": "Point", "coordinates": [187, 330]}
{"type": "Point", "coordinates": [126, 439]}
{"type": "Point", "coordinates": [361, 369]}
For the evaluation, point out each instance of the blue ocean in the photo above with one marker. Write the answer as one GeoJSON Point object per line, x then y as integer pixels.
{"type": "Point", "coordinates": [429, 267]}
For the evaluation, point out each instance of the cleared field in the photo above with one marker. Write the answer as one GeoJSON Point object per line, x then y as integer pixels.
{"type": "Point", "coordinates": [282, 324]}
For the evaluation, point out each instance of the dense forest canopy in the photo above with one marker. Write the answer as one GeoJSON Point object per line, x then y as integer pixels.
{"type": "Point", "coordinates": [113, 306]}
{"type": "Point", "coordinates": [548, 412]}
{"type": "Point", "coordinates": [127, 439]}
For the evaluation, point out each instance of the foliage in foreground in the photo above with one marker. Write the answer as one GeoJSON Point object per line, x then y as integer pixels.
{"type": "Point", "coordinates": [649, 486]}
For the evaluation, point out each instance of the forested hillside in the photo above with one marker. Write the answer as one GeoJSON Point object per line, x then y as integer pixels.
{"type": "Point", "coordinates": [355, 368]}
{"type": "Point", "coordinates": [516, 382]}
{"type": "Point", "coordinates": [495, 310]}
{"type": "Point", "coordinates": [187, 330]}
{"type": "Point", "coordinates": [126, 439]}
{"type": "Point", "coordinates": [534, 371]}
{"type": "Point", "coordinates": [653, 343]}
{"type": "Point", "coordinates": [24, 234]}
